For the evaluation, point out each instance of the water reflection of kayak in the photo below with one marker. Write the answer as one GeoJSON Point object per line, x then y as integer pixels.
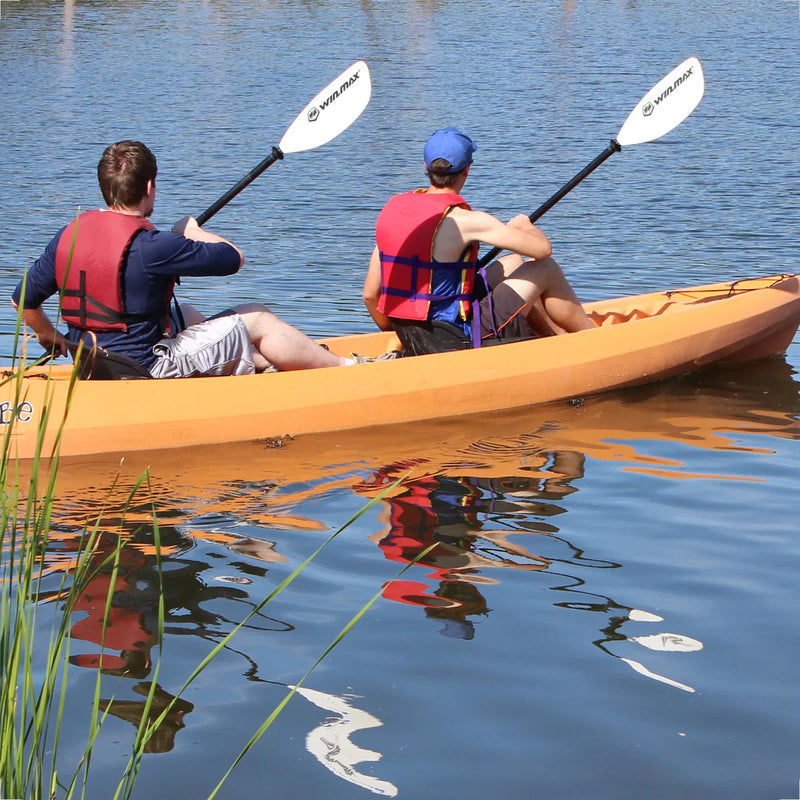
{"type": "Point", "coordinates": [638, 340]}
{"type": "Point", "coordinates": [748, 407]}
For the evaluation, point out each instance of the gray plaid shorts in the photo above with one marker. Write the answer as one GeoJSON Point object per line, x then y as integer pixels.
{"type": "Point", "coordinates": [217, 346]}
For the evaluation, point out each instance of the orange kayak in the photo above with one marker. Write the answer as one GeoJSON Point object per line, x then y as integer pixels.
{"type": "Point", "coordinates": [638, 339]}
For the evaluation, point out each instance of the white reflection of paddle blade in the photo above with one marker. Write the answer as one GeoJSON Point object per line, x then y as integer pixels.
{"type": "Point", "coordinates": [330, 742]}
{"type": "Point", "coordinates": [668, 643]}
{"type": "Point", "coordinates": [637, 615]}
{"type": "Point", "coordinates": [642, 670]}
{"type": "Point", "coordinates": [233, 579]}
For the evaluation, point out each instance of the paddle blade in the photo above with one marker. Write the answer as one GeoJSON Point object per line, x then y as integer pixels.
{"type": "Point", "coordinates": [332, 111]}
{"type": "Point", "coordinates": [666, 105]}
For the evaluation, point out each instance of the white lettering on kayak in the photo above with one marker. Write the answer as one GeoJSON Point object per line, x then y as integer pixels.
{"type": "Point", "coordinates": [22, 411]}
{"type": "Point", "coordinates": [314, 113]}
{"type": "Point", "coordinates": [648, 108]}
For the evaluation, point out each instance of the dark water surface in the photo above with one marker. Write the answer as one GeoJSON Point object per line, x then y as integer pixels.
{"type": "Point", "coordinates": [611, 610]}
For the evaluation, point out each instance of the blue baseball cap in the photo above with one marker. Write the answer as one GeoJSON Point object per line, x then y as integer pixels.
{"type": "Point", "coordinates": [451, 145]}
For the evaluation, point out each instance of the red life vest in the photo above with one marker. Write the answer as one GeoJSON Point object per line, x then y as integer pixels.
{"type": "Point", "coordinates": [404, 233]}
{"type": "Point", "coordinates": [89, 260]}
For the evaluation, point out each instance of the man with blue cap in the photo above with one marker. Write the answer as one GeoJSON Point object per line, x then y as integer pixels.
{"type": "Point", "coordinates": [423, 279]}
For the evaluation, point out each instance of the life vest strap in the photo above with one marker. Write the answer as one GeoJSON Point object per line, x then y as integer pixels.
{"type": "Point", "coordinates": [415, 261]}
{"type": "Point", "coordinates": [104, 312]}
{"type": "Point", "coordinates": [426, 295]}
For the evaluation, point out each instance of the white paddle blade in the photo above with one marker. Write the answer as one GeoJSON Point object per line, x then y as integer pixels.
{"type": "Point", "coordinates": [666, 105]}
{"type": "Point", "coordinates": [332, 111]}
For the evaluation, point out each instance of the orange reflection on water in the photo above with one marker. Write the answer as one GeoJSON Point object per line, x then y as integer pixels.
{"type": "Point", "coordinates": [264, 484]}
{"type": "Point", "coordinates": [459, 480]}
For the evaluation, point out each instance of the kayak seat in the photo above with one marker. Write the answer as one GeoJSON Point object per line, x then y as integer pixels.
{"type": "Point", "coordinates": [97, 364]}
{"type": "Point", "coordinates": [438, 336]}
{"type": "Point", "coordinates": [421, 338]}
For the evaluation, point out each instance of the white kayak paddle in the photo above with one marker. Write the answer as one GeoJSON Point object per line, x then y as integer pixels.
{"type": "Point", "coordinates": [334, 109]}
{"type": "Point", "coordinates": [663, 108]}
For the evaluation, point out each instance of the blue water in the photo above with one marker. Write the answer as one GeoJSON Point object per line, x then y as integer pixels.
{"type": "Point", "coordinates": [611, 608]}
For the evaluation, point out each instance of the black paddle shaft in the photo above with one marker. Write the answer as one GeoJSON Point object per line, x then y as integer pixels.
{"type": "Point", "coordinates": [274, 156]}
{"type": "Point", "coordinates": [613, 147]}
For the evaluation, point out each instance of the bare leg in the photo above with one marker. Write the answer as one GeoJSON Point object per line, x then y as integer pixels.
{"type": "Point", "coordinates": [553, 306]}
{"type": "Point", "coordinates": [540, 320]}
{"type": "Point", "coordinates": [276, 342]}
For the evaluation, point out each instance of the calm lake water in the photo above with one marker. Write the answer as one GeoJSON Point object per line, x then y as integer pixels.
{"type": "Point", "coordinates": [611, 611]}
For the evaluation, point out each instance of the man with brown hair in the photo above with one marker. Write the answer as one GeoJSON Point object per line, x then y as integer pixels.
{"type": "Point", "coordinates": [116, 274]}
{"type": "Point", "coordinates": [423, 279]}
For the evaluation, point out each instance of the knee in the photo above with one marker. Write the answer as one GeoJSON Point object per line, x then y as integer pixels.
{"type": "Point", "coordinates": [548, 264]}
{"type": "Point", "coordinates": [258, 320]}
{"type": "Point", "coordinates": [509, 263]}
{"type": "Point", "coordinates": [261, 323]}
{"type": "Point", "coordinates": [538, 270]}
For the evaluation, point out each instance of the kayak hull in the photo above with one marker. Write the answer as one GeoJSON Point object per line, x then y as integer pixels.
{"type": "Point", "coordinates": [637, 340]}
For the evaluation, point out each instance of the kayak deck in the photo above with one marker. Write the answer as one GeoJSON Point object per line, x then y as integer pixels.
{"type": "Point", "coordinates": [637, 339]}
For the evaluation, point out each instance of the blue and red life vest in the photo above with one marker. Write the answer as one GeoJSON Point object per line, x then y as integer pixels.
{"type": "Point", "coordinates": [89, 259]}
{"type": "Point", "coordinates": [410, 278]}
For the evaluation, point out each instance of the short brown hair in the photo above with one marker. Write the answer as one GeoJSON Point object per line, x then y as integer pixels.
{"type": "Point", "coordinates": [123, 173]}
{"type": "Point", "coordinates": [439, 174]}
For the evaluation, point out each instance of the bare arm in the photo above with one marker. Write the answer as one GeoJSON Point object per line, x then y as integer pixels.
{"type": "Point", "coordinates": [189, 228]}
{"type": "Point", "coordinates": [519, 235]}
{"type": "Point", "coordinates": [372, 292]}
{"type": "Point", "coordinates": [46, 333]}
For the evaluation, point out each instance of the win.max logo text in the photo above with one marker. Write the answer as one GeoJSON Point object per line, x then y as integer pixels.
{"type": "Point", "coordinates": [648, 108]}
{"type": "Point", "coordinates": [313, 113]}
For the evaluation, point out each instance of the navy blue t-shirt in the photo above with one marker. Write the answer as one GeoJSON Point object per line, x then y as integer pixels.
{"type": "Point", "coordinates": [153, 260]}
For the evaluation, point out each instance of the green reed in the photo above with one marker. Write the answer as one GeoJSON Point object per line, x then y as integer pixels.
{"type": "Point", "coordinates": [36, 611]}
{"type": "Point", "coordinates": [31, 702]}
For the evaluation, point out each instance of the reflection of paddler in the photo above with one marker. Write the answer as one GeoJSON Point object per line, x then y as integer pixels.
{"type": "Point", "coordinates": [452, 602]}
{"type": "Point", "coordinates": [163, 738]}
{"type": "Point", "coordinates": [129, 623]}
{"type": "Point", "coordinates": [124, 627]}
{"type": "Point", "coordinates": [445, 511]}
{"type": "Point", "coordinates": [564, 466]}
{"type": "Point", "coordinates": [414, 524]}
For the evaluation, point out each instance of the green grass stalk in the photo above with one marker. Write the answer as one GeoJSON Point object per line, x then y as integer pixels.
{"type": "Point", "coordinates": [33, 687]}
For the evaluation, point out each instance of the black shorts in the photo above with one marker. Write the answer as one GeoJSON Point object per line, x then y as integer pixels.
{"type": "Point", "coordinates": [502, 317]}
{"type": "Point", "coordinates": [502, 321]}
